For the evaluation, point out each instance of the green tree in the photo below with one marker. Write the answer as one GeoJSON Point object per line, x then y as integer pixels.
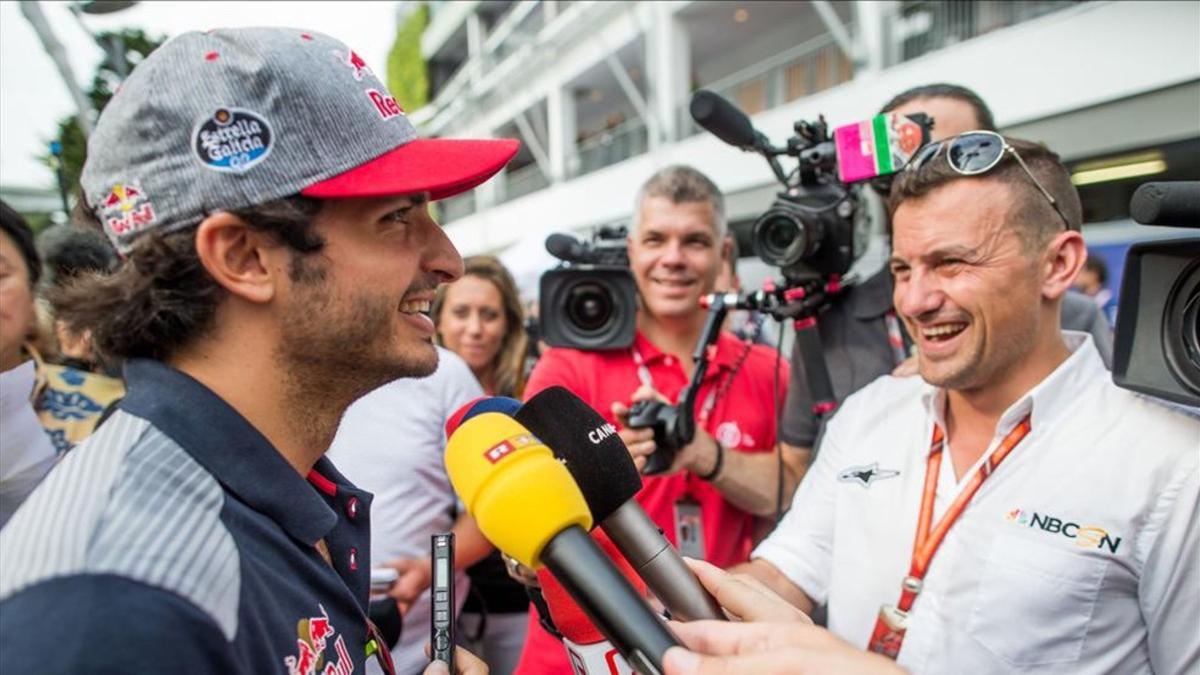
{"type": "Point", "coordinates": [407, 77]}
{"type": "Point", "coordinates": [137, 46]}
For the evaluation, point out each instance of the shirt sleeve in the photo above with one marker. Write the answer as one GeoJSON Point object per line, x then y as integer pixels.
{"type": "Point", "coordinates": [108, 624]}
{"type": "Point", "coordinates": [801, 547]}
{"type": "Point", "coordinates": [555, 368]}
{"type": "Point", "coordinates": [1167, 591]}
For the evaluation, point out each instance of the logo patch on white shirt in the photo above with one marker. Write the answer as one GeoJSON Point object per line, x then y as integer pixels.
{"type": "Point", "coordinates": [865, 475]}
{"type": "Point", "coordinates": [1083, 536]}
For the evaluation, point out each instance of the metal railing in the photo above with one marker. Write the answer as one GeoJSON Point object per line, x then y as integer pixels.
{"type": "Point", "coordinates": [610, 146]}
{"type": "Point", "coordinates": [522, 181]}
{"type": "Point", "coordinates": [807, 68]}
{"type": "Point", "coordinates": [928, 25]}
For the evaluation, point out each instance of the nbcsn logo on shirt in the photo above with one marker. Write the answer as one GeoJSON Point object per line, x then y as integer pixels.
{"type": "Point", "coordinates": [1089, 536]}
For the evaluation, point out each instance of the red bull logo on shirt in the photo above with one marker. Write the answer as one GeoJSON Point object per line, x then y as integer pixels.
{"type": "Point", "coordinates": [1086, 536]}
{"type": "Point", "coordinates": [314, 634]}
{"type": "Point", "coordinates": [126, 208]}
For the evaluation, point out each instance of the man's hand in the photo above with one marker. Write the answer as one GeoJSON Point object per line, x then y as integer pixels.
{"type": "Point", "coordinates": [743, 597]}
{"type": "Point", "coordinates": [415, 576]}
{"type": "Point", "coordinates": [698, 457]}
{"type": "Point", "coordinates": [640, 442]}
{"type": "Point", "coordinates": [719, 647]}
{"type": "Point", "coordinates": [520, 573]}
{"type": "Point", "coordinates": [465, 663]}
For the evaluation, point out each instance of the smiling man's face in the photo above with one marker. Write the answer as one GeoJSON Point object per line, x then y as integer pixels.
{"type": "Point", "coordinates": [968, 292]}
{"type": "Point", "coordinates": [675, 256]}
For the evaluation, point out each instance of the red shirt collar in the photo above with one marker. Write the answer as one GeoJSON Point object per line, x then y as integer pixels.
{"type": "Point", "coordinates": [729, 347]}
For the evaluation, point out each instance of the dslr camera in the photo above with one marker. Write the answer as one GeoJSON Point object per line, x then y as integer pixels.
{"type": "Point", "coordinates": [1157, 346]}
{"type": "Point", "coordinates": [590, 300]}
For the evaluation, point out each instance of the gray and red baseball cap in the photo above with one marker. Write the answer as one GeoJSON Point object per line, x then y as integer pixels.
{"type": "Point", "coordinates": [230, 118]}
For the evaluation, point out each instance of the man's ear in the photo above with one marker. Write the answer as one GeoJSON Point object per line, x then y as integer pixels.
{"type": "Point", "coordinates": [1062, 261]}
{"type": "Point", "coordinates": [240, 259]}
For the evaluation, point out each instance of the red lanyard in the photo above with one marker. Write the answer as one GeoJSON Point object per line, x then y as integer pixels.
{"type": "Point", "coordinates": [891, 624]}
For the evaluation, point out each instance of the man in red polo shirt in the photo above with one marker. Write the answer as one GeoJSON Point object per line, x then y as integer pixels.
{"type": "Point", "coordinates": [721, 484]}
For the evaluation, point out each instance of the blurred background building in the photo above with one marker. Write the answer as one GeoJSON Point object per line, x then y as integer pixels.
{"type": "Point", "coordinates": [598, 94]}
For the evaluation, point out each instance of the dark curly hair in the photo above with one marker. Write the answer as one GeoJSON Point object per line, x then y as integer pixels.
{"type": "Point", "coordinates": [161, 298]}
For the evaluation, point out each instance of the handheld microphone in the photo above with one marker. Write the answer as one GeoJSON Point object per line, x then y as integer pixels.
{"type": "Point", "coordinates": [600, 464]}
{"type": "Point", "coordinates": [1170, 203]}
{"type": "Point", "coordinates": [525, 502]}
{"type": "Point", "coordinates": [588, 651]}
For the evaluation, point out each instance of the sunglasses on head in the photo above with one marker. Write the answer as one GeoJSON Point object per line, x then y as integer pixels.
{"type": "Point", "coordinates": [977, 152]}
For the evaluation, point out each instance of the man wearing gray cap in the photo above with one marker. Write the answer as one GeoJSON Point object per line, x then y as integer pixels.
{"type": "Point", "coordinates": [270, 199]}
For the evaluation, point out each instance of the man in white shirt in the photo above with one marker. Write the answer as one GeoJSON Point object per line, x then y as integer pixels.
{"type": "Point", "coordinates": [391, 442]}
{"type": "Point", "coordinates": [1058, 530]}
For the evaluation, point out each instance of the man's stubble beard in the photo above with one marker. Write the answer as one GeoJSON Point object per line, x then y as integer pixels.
{"type": "Point", "coordinates": [333, 357]}
{"type": "Point", "coordinates": [983, 370]}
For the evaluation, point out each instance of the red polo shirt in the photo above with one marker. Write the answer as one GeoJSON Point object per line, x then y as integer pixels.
{"type": "Point", "coordinates": [742, 419]}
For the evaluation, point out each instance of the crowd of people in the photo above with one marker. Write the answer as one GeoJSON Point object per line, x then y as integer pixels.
{"type": "Point", "coordinates": [222, 416]}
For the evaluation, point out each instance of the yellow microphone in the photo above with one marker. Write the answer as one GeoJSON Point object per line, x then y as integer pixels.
{"type": "Point", "coordinates": [518, 493]}
{"type": "Point", "coordinates": [526, 503]}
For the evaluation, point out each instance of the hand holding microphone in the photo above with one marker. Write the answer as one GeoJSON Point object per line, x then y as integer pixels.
{"type": "Point", "coordinates": [771, 638]}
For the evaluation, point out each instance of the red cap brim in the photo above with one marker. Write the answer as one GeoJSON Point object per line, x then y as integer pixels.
{"type": "Point", "coordinates": [443, 167]}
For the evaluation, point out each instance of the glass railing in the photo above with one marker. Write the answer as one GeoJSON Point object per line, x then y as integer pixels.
{"type": "Point", "coordinates": [610, 146]}
{"type": "Point", "coordinates": [522, 181]}
{"type": "Point", "coordinates": [927, 26]}
{"type": "Point", "coordinates": [810, 67]}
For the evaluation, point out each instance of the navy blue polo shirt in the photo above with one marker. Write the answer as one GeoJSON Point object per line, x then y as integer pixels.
{"type": "Point", "coordinates": [178, 539]}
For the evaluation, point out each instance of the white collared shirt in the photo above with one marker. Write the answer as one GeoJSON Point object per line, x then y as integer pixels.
{"type": "Point", "coordinates": [1080, 554]}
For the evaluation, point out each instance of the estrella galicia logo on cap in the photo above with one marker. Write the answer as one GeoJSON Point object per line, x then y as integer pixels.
{"type": "Point", "coordinates": [233, 140]}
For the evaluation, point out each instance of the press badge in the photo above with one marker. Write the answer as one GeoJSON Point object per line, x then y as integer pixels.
{"type": "Point", "coordinates": [689, 528]}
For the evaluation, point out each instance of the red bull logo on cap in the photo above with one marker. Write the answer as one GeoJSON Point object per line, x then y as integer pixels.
{"type": "Point", "coordinates": [385, 104]}
{"type": "Point", "coordinates": [126, 209]}
{"type": "Point", "coordinates": [352, 60]}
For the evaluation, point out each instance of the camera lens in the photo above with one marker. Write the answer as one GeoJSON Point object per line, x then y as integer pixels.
{"type": "Point", "coordinates": [779, 233]}
{"type": "Point", "coordinates": [589, 306]}
{"type": "Point", "coordinates": [781, 238]}
{"type": "Point", "coordinates": [1181, 328]}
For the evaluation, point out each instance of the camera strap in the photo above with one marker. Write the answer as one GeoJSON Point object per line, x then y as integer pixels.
{"type": "Point", "coordinates": [895, 337]}
{"type": "Point", "coordinates": [710, 401]}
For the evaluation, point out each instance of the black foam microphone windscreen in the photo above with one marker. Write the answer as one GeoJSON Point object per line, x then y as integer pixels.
{"type": "Point", "coordinates": [722, 119]}
{"type": "Point", "coordinates": [1170, 203]}
{"type": "Point", "coordinates": [590, 446]}
{"type": "Point", "coordinates": [564, 247]}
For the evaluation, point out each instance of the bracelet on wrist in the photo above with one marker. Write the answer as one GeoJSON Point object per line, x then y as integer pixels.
{"type": "Point", "coordinates": [716, 470]}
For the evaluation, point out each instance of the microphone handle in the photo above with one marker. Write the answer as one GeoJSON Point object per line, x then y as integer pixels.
{"type": "Point", "coordinates": [659, 564]}
{"type": "Point", "coordinates": [620, 614]}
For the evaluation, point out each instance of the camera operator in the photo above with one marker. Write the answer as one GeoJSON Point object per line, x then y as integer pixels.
{"type": "Point", "coordinates": [1081, 551]}
{"type": "Point", "coordinates": [861, 336]}
{"type": "Point", "coordinates": [708, 501]}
